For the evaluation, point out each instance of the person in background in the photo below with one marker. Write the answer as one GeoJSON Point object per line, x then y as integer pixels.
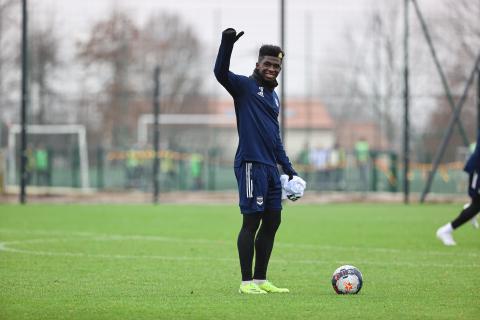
{"type": "Point", "coordinates": [41, 165]}
{"type": "Point", "coordinates": [131, 167]}
{"type": "Point", "coordinates": [304, 160]}
{"type": "Point", "coordinates": [337, 165]}
{"type": "Point", "coordinates": [470, 210]}
{"type": "Point", "coordinates": [362, 154]}
{"type": "Point", "coordinates": [30, 167]}
{"type": "Point", "coordinates": [471, 147]}
{"type": "Point", "coordinates": [319, 159]}
{"type": "Point", "coordinates": [196, 168]}
{"type": "Point", "coordinates": [168, 168]}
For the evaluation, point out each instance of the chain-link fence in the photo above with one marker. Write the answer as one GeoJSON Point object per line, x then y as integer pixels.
{"type": "Point", "coordinates": [127, 170]}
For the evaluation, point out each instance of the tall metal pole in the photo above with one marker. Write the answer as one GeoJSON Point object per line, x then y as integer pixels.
{"type": "Point", "coordinates": [308, 73]}
{"type": "Point", "coordinates": [282, 83]}
{"type": "Point", "coordinates": [156, 134]}
{"type": "Point", "coordinates": [24, 101]}
{"type": "Point", "coordinates": [377, 82]}
{"type": "Point", "coordinates": [478, 98]}
{"type": "Point", "coordinates": [406, 101]}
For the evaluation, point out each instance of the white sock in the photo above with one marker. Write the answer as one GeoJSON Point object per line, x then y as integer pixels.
{"type": "Point", "coordinates": [446, 228]}
{"type": "Point", "coordinates": [259, 281]}
{"type": "Point", "coordinates": [246, 282]}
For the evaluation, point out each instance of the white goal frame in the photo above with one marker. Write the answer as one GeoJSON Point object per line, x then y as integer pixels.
{"type": "Point", "coordinates": [77, 129]}
{"type": "Point", "coordinates": [147, 119]}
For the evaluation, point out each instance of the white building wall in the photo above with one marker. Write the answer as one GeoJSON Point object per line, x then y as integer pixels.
{"type": "Point", "coordinates": [202, 139]}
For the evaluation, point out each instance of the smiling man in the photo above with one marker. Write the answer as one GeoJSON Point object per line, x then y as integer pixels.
{"type": "Point", "coordinates": [260, 149]}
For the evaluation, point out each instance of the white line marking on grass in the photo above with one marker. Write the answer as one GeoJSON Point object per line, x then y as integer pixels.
{"type": "Point", "coordinates": [48, 232]}
{"type": "Point", "coordinates": [4, 246]}
{"type": "Point", "coordinates": [380, 250]}
{"type": "Point", "coordinates": [106, 237]}
{"type": "Point", "coordinates": [99, 236]}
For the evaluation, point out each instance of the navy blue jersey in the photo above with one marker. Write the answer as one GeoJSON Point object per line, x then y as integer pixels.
{"type": "Point", "coordinates": [256, 110]}
{"type": "Point", "coordinates": [474, 184]}
{"type": "Point", "coordinates": [473, 163]}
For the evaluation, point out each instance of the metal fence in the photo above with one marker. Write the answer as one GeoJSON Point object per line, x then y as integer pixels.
{"type": "Point", "coordinates": [121, 170]}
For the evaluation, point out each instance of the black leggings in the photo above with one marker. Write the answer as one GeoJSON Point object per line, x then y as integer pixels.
{"type": "Point", "coordinates": [262, 245]}
{"type": "Point", "coordinates": [467, 213]}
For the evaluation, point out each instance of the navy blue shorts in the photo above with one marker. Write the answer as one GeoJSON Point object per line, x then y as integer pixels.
{"type": "Point", "coordinates": [474, 185]}
{"type": "Point", "coordinates": [259, 187]}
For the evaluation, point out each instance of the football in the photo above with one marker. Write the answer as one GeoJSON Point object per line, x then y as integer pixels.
{"type": "Point", "coordinates": [347, 280]}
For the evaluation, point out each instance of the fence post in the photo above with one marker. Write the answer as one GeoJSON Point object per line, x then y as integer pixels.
{"type": "Point", "coordinates": [393, 184]}
{"type": "Point", "coordinates": [374, 175]}
{"type": "Point", "coordinates": [100, 171]}
{"type": "Point", "coordinates": [75, 167]}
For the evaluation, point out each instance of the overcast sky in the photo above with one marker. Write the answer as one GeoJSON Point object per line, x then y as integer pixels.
{"type": "Point", "coordinates": [316, 30]}
{"type": "Point", "coordinates": [327, 20]}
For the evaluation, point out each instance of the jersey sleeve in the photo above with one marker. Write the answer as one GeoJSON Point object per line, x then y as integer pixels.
{"type": "Point", "coordinates": [280, 154]}
{"type": "Point", "coordinates": [228, 79]}
{"type": "Point", "coordinates": [473, 163]}
{"type": "Point", "coordinates": [282, 157]}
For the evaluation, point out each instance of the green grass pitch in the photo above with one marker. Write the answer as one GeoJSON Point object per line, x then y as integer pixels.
{"type": "Point", "coordinates": [180, 262]}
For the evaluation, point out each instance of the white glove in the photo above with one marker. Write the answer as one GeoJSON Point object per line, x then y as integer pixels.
{"type": "Point", "coordinates": [283, 181]}
{"type": "Point", "coordinates": [292, 189]}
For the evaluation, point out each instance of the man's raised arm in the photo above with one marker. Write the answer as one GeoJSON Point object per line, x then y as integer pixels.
{"type": "Point", "coordinates": [222, 64]}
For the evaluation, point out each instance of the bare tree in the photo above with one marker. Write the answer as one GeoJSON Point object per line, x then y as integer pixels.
{"type": "Point", "coordinates": [458, 34]}
{"type": "Point", "coordinates": [9, 35]}
{"type": "Point", "coordinates": [367, 83]}
{"type": "Point", "coordinates": [129, 54]}
{"type": "Point", "coordinates": [463, 26]}
{"type": "Point", "coordinates": [43, 62]}
{"type": "Point", "coordinates": [111, 47]}
{"type": "Point", "coordinates": [168, 42]}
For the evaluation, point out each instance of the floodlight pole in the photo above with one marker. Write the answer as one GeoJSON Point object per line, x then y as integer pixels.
{"type": "Point", "coordinates": [282, 83]}
{"type": "Point", "coordinates": [24, 101]}
{"type": "Point", "coordinates": [406, 101]}
{"type": "Point", "coordinates": [308, 73]}
{"type": "Point", "coordinates": [156, 134]}
{"type": "Point", "coordinates": [478, 97]}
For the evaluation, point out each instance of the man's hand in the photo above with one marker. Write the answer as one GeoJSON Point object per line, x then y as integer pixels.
{"type": "Point", "coordinates": [289, 171]}
{"type": "Point", "coordinates": [231, 35]}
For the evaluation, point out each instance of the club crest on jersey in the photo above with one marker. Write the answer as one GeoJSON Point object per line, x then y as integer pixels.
{"type": "Point", "coordinates": [260, 93]}
{"type": "Point", "coordinates": [260, 200]}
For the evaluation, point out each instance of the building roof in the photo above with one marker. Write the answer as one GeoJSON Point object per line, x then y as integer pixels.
{"type": "Point", "coordinates": [300, 114]}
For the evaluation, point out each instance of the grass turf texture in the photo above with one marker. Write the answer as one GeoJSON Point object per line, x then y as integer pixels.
{"type": "Point", "coordinates": [180, 262]}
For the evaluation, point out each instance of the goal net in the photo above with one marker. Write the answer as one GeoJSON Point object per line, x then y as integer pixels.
{"type": "Point", "coordinates": [57, 156]}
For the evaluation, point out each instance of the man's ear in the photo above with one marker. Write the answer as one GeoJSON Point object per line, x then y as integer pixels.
{"type": "Point", "coordinates": [257, 65]}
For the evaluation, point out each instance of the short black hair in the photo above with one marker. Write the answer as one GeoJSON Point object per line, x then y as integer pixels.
{"type": "Point", "coordinates": [271, 51]}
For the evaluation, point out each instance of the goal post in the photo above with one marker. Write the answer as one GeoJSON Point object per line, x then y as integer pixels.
{"type": "Point", "coordinates": [68, 129]}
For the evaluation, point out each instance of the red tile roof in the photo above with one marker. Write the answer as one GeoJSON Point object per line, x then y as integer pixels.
{"type": "Point", "coordinates": [300, 114]}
